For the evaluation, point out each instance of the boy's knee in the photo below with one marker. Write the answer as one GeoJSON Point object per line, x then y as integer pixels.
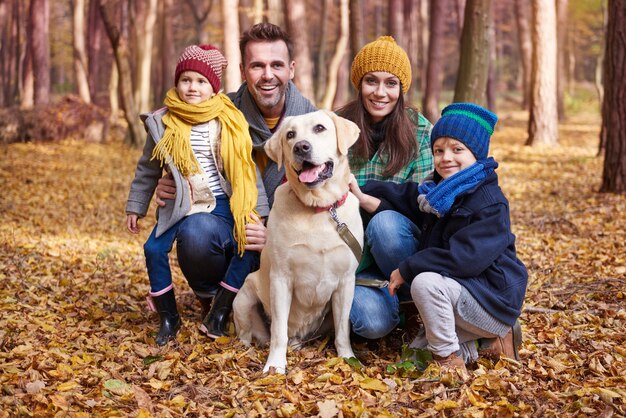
{"type": "Point", "coordinates": [424, 285]}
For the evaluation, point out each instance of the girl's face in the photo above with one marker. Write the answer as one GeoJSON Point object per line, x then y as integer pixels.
{"type": "Point", "coordinates": [194, 88]}
{"type": "Point", "coordinates": [379, 92]}
{"type": "Point", "coordinates": [451, 156]}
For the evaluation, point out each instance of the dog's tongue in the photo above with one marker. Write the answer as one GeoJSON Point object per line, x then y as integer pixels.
{"type": "Point", "coordinates": [311, 174]}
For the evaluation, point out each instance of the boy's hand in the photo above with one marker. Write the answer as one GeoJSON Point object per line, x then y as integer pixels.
{"type": "Point", "coordinates": [395, 281]}
{"type": "Point", "coordinates": [165, 190]}
{"type": "Point", "coordinates": [131, 223]}
{"type": "Point", "coordinates": [255, 234]}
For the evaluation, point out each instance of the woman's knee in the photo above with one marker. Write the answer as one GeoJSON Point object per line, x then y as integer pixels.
{"type": "Point", "coordinates": [371, 316]}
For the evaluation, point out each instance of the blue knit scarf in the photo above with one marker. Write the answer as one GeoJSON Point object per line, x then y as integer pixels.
{"type": "Point", "coordinates": [438, 198]}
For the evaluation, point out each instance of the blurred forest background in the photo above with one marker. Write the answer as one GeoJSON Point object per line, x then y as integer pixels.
{"type": "Point", "coordinates": [119, 55]}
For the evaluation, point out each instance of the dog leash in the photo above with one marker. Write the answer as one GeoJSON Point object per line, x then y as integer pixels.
{"type": "Point", "coordinates": [346, 235]}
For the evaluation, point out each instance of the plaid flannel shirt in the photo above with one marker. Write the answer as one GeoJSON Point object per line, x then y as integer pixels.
{"type": "Point", "coordinates": [415, 171]}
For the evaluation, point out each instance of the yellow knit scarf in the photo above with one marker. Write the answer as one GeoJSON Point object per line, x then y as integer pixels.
{"type": "Point", "coordinates": [235, 150]}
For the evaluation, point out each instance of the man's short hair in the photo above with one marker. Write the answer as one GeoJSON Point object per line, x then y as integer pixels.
{"type": "Point", "coordinates": [264, 32]}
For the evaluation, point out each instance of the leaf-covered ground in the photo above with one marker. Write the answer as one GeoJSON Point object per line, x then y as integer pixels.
{"type": "Point", "coordinates": [76, 339]}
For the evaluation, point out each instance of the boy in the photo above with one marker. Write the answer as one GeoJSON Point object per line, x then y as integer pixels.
{"type": "Point", "coordinates": [203, 140]}
{"type": "Point", "coordinates": [465, 278]}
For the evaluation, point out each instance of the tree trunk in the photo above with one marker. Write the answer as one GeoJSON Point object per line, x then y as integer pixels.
{"type": "Point", "coordinates": [94, 51]}
{"type": "Point", "coordinates": [492, 74]}
{"type": "Point", "coordinates": [395, 17]}
{"type": "Point", "coordinates": [200, 15]}
{"type": "Point", "coordinates": [471, 81]}
{"type": "Point", "coordinates": [543, 124]}
{"type": "Point", "coordinates": [231, 46]}
{"type": "Point", "coordinates": [10, 34]}
{"type": "Point", "coordinates": [144, 29]}
{"type": "Point", "coordinates": [424, 35]}
{"type": "Point", "coordinates": [39, 17]}
{"type": "Point", "coordinates": [525, 47]}
{"type": "Point", "coordinates": [357, 27]}
{"type": "Point", "coordinates": [561, 27]}
{"type": "Point", "coordinates": [275, 12]}
{"type": "Point", "coordinates": [295, 11]}
{"type": "Point", "coordinates": [438, 10]}
{"type": "Point", "coordinates": [320, 80]}
{"type": "Point", "coordinates": [340, 51]}
{"type": "Point", "coordinates": [167, 52]}
{"type": "Point", "coordinates": [614, 105]}
{"type": "Point", "coordinates": [411, 36]}
{"type": "Point", "coordinates": [80, 54]}
{"type": "Point", "coordinates": [122, 60]}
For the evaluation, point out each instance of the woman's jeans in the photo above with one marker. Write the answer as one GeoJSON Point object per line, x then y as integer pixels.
{"type": "Point", "coordinates": [207, 254]}
{"type": "Point", "coordinates": [392, 238]}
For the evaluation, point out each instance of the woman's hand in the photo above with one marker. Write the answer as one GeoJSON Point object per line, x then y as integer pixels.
{"type": "Point", "coordinates": [255, 234]}
{"type": "Point", "coordinates": [367, 202]}
{"type": "Point", "coordinates": [395, 281]}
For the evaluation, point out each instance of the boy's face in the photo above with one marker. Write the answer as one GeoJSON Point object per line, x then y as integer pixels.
{"type": "Point", "coordinates": [451, 156]}
{"type": "Point", "coordinates": [379, 92]}
{"type": "Point", "coordinates": [194, 88]}
{"type": "Point", "coordinates": [267, 69]}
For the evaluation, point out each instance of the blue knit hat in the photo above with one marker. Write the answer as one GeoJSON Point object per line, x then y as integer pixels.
{"type": "Point", "coordinates": [468, 123]}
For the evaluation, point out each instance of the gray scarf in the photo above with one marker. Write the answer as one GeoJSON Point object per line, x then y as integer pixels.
{"type": "Point", "coordinates": [295, 104]}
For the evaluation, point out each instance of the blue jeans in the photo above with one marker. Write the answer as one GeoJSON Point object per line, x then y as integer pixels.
{"type": "Point", "coordinates": [392, 238]}
{"type": "Point", "coordinates": [206, 249]}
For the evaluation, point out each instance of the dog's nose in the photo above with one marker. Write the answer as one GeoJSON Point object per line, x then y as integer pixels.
{"type": "Point", "coordinates": [302, 148]}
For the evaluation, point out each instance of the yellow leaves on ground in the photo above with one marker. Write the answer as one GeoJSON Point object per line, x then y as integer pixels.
{"type": "Point", "coordinates": [76, 339]}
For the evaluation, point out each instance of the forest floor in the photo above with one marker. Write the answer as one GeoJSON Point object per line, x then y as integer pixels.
{"type": "Point", "coordinates": [76, 339]}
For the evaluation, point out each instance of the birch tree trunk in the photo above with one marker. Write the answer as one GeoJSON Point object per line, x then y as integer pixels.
{"type": "Point", "coordinates": [232, 79]}
{"type": "Point", "coordinates": [543, 124]}
{"type": "Point", "coordinates": [342, 47]}
{"type": "Point", "coordinates": [80, 54]}
{"type": "Point", "coordinates": [614, 105]}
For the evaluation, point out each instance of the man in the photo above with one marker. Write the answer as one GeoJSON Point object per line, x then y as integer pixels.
{"type": "Point", "coordinates": [266, 96]}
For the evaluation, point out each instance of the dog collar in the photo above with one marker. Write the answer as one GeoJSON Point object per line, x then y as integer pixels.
{"type": "Point", "coordinates": [335, 205]}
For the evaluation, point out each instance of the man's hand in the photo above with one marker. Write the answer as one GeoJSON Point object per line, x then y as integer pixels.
{"type": "Point", "coordinates": [166, 189]}
{"type": "Point", "coordinates": [131, 223]}
{"type": "Point", "coordinates": [395, 281]}
{"type": "Point", "coordinates": [255, 234]}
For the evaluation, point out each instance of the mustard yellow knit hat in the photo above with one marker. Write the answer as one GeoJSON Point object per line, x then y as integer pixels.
{"type": "Point", "coordinates": [384, 54]}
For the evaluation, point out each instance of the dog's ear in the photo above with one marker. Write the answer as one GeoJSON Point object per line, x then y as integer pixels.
{"type": "Point", "coordinates": [347, 132]}
{"type": "Point", "coordinates": [274, 146]}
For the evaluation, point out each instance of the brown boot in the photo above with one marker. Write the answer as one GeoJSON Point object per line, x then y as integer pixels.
{"type": "Point", "coordinates": [508, 345]}
{"type": "Point", "coordinates": [451, 362]}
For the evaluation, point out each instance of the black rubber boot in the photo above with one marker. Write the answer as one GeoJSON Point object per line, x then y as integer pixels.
{"type": "Point", "coordinates": [170, 320]}
{"type": "Point", "coordinates": [215, 323]}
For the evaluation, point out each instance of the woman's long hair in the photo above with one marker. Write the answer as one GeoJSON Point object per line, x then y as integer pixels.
{"type": "Point", "coordinates": [398, 147]}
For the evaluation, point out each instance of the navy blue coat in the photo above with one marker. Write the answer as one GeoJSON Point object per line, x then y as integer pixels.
{"type": "Point", "coordinates": [472, 244]}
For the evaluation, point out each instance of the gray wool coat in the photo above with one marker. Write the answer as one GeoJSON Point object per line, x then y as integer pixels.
{"type": "Point", "coordinates": [149, 171]}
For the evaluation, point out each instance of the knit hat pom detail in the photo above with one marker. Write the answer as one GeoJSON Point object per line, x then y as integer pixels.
{"type": "Point", "coordinates": [383, 54]}
{"type": "Point", "coordinates": [469, 123]}
{"type": "Point", "coordinates": [205, 59]}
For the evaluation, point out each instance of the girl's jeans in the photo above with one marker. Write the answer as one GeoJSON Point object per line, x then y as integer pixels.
{"type": "Point", "coordinates": [392, 238]}
{"type": "Point", "coordinates": [207, 254]}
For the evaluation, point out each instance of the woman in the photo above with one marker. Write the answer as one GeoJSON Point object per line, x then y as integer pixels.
{"type": "Point", "coordinates": [394, 145]}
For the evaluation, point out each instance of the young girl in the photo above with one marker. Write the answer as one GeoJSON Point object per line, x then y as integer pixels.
{"type": "Point", "coordinates": [394, 146]}
{"type": "Point", "coordinates": [203, 142]}
{"type": "Point", "coordinates": [465, 277]}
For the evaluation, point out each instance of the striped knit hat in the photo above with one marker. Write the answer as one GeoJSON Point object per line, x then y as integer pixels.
{"type": "Point", "coordinates": [204, 59]}
{"type": "Point", "coordinates": [468, 123]}
{"type": "Point", "coordinates": [383, 54]}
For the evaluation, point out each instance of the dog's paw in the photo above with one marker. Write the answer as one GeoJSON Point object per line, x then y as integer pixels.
{"type": "Point", "coordinates": [274, 369]}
